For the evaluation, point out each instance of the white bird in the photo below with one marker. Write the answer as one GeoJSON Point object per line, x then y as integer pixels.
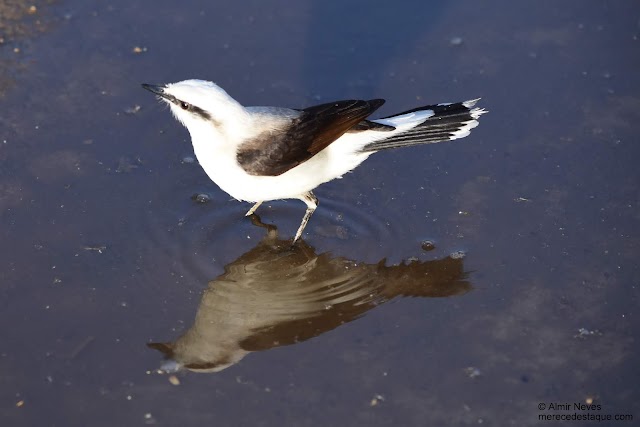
{"type": "Point", "coordinates": [258, 154]}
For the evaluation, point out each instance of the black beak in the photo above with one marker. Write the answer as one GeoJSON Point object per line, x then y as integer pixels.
{"type": "Point", "coordinates": [157, 89]}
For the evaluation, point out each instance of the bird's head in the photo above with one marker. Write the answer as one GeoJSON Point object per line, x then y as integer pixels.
{"type": "Point", "coordinates": [198, 103]}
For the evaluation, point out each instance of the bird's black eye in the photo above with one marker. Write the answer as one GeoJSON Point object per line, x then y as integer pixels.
{"type": "Point", "coordinates": [184, 105]}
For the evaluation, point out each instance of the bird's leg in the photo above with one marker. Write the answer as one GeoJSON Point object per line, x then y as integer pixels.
{"type": "Point", "coordinates": [253, 209]}
{"type": "Point", "coordinates": [312, 204]}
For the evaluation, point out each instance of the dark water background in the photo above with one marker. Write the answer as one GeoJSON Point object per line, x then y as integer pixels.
{"type": "Point", "coordinates": [102, 248]}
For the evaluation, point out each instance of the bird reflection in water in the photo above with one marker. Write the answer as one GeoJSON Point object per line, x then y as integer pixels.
{"type": "Point", "coordinates": [276, 295]}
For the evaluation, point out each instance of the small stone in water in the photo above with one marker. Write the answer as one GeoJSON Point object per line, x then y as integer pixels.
{"type": "Point", "coordinates": [456, 41]}
{"type": "Point", "coordinates": [584, 332]}
{"type": "Point", "coordinates": [133, 110]}
{"type": "Point", "coordinates": [472, 372]}
{"type": "Point", "coordinates": [428, 245]}
{"type": "Point", "coordinates": [377, 398]}
{"type": "Point", "coordinates": [188, 159]}
{"type": "Point", "coordinates": [458, 254]}
{"type": "Point", "coordinates": [201, 198]}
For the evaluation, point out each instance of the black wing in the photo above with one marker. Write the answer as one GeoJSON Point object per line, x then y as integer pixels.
{"type": "Point", "coordinates": [274, 153]}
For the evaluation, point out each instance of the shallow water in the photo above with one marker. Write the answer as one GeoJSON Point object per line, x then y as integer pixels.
{"type": "Point", "coordinates": [104, 250]}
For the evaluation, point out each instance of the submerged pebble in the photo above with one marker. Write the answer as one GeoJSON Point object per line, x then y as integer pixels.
{"type": "Point", "coordinates": [472, 372]}
{"type": "Point", "coordinates": [133, 110]}
{"type": "Point", "coordinates": [428, 245]}
{"type": "Point", "coordinates": [584, 333]}
{"type": "Point", "coordinates": [458, 254]}
{"type": "Point", "coordinates": [201, 198]}
{"type": "Point", "coordinates": [376, 399]}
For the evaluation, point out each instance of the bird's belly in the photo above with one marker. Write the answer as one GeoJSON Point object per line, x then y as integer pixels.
{"type": "Point", "coordinates": [224, 170]}
{"type": "Point", "coordinates": [232, 179]}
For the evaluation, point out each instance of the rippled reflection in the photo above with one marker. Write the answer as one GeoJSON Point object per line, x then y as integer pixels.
{"type": "Point", "coordinates": [277, 295]}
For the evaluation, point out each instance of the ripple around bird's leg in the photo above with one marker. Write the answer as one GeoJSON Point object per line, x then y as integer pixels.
{"type": "Point", "coordinates": [343, 219]}
{"type": "Point", "coordinates": [195, 229]}
{"type": "Point", "coordinates": [196, 232]}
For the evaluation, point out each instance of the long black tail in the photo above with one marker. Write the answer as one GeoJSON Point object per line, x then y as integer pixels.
{"type": "Point", "coordinates": [444, 122]}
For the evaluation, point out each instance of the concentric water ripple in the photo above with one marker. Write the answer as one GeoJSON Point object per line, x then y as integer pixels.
{"type": "Point", "coordinates": [200, 237]}
{"type": "Point", "coordinates": [352, 220]}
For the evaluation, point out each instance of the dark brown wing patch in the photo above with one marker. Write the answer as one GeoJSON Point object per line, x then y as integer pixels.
{"type": "Point", "coordinates": [274, 153]}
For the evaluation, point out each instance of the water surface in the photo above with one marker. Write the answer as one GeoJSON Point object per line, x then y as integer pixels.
{"type": "Point", "coordinates": [104, 250]}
